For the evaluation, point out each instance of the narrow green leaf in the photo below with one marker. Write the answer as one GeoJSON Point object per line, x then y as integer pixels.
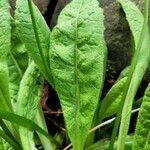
{"type": "Point", "coordinates": [143, 123]}
{"type": "Point", "coordinates": [47, 144]}
{"type": "Point", "coordinates": [9, 140]}
{"type": "Point", "coordinates": [30, 27]}
{"type": "Point", "coordinates": [112, 100]}
{"type": "Point", "coordinates": [28, 100]}
{"type": "Point", "coordinates": [6, 130]}
{"type": "Point", "coordinates": [77, 58]}
{"type": "Point", "coordinates": [27, 123]}
{"type": "Point", "coordinates": [138, 26]}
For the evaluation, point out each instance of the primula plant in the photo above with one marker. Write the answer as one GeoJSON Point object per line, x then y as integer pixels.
{"type": "Point", "coordinates": [72, 59]}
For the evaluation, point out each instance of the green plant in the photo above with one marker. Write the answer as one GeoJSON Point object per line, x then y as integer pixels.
{"type": "Point", "coordinates": [141, 138]}
{"type": "Point", "coordinates": [72, 58]}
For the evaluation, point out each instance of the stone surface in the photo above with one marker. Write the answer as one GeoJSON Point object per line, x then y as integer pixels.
{"type": "Point", "coordinates": [42, 5]}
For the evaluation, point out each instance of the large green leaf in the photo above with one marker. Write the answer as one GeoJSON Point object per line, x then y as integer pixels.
{"type": "Point", "coordinates": [28, 32]}
{"type": "Point", "coordinates": [143, 124]}
{"type": "Point", "coordinates": [77, 57]}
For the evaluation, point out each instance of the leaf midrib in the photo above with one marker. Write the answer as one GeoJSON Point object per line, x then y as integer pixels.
{"type": "Point", "coordinates": [77, 95]}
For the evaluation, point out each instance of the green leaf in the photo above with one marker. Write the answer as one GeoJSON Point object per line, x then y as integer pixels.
{"type": "Point", "coordinates": [147, 145]}
{"type": "Point", "coordinates": [143, 123]}
{"type": "Point", "coordinates": [28, 100]}
{"type": "Point", "coordinates": [5, 29]}
{"type": "Point", "coordinates": [27, 123]}
{"type": "Point", "coordinates": [139, 29]}
{"type": "Point", "coordinates": [112, 100]}
{"type": "Point", "coordinates": [104, 144]}
{"type": "Point", "coordinates": [5, 42]}
{"type": "Point", "coordinates": [7, 131]}
{"type": "Point", "coordinates": [30, 24]}
{"type": "Point", "coordinates": [8, 139]}
{"type": "Point", "coordinates": [77, 58]}
{"type": "Point", "coordinates": [47, 144]}
{"type": "Point", "coordinates": [1, 144]}
{"type": "Point", "coordinates": [17, 61]}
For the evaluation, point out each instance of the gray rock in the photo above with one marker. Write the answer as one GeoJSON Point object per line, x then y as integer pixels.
{"type": "Point", "coordinates": [41, 4]}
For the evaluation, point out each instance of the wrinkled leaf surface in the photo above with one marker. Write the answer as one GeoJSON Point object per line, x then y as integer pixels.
{"type": "Point", "coordinates": [77, 58]}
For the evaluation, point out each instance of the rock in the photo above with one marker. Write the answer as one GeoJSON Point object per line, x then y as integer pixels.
{"type": "Point", "coordinates": [41, 4]}
{"type": "Point", "coordinates": [118, 37]}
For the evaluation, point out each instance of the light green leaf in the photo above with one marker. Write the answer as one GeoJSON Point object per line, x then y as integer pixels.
{"type": "Point", "coordinates": [143, 123]}
{"type": "Point", "coordinates": [77, 58]}
{"type": "Point", "coordinates": [5, 29]}
{"type": "Point", "coordinates": [17, 61]}
{"type": "Point", "coordinates": [28, 100]}
{"type": "Point", "coordinates": [5, 42]}
{"type": "Point", "coordinates": [26, 32]}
